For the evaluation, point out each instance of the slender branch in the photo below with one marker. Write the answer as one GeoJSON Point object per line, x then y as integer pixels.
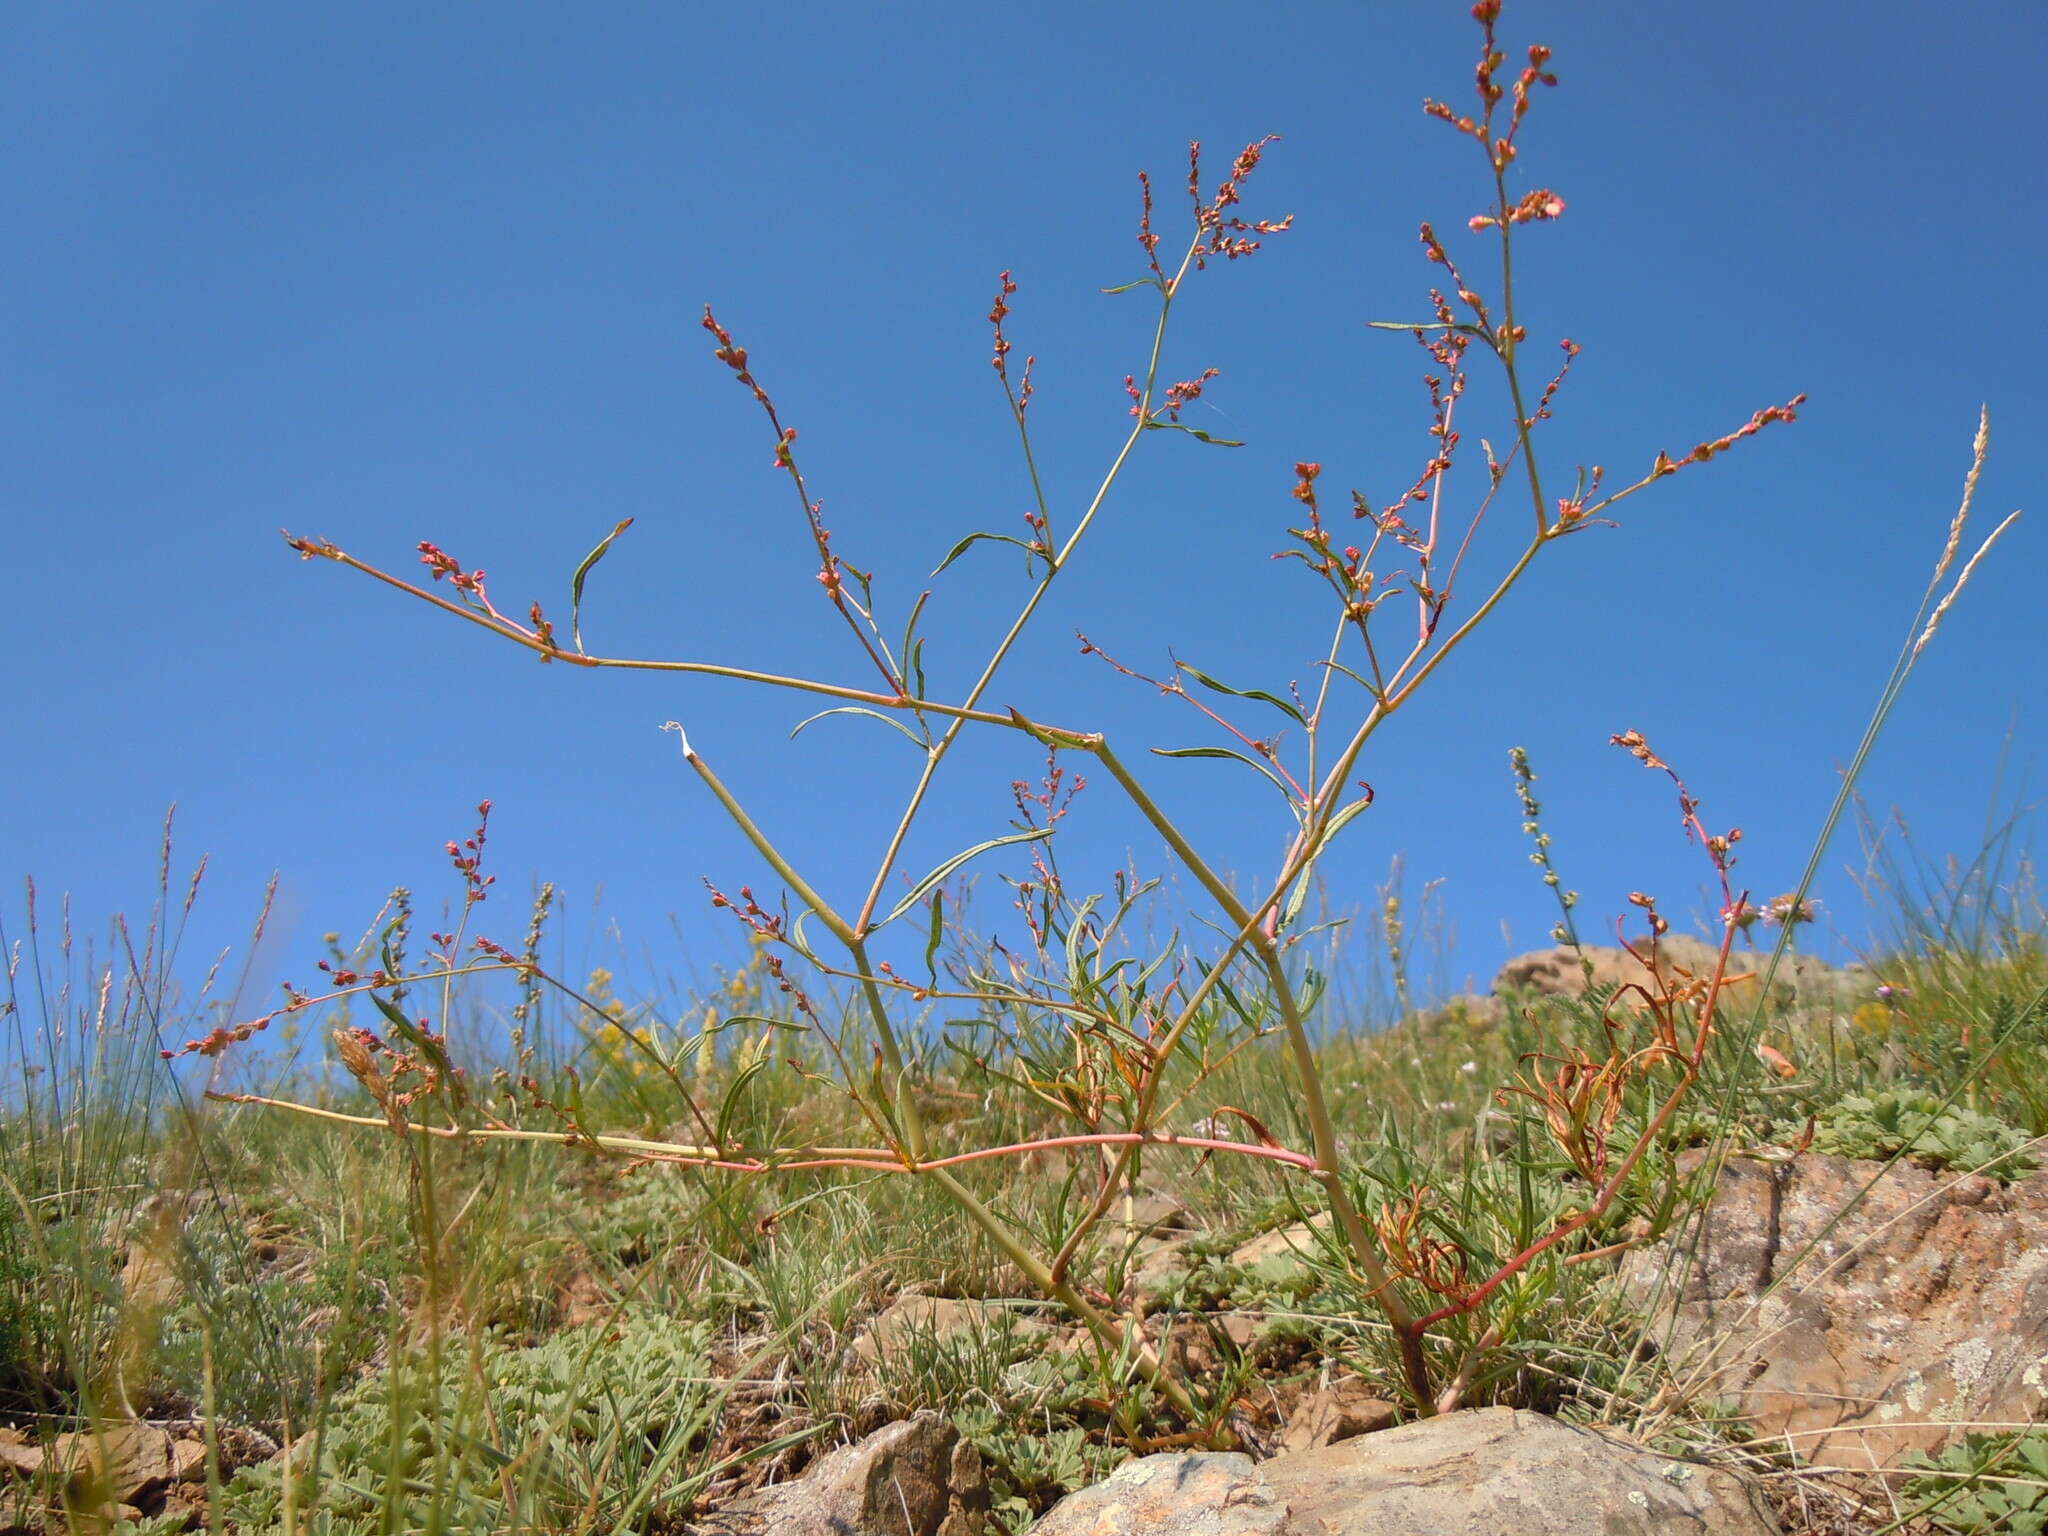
{"type": "Point", "coordinates": [838, 925]}
{"type": "Point", "coordinates": [777, 1159]}
{"type": "Point", "coordinates": [518, 636]}
{"type": "Point", "coordinates": [1688, 1076]}
{"type": "Point", "coordinates": [1329, 1166]}
{"type": "Point", "coordinates": [1056, 564]}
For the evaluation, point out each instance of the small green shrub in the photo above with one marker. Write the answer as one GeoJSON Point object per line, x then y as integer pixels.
{"type": "Point", "coordinates": [1885, 1124]}
{"type": "Point", "coordinates": [1987, 1483]}
{"type": "Point", "coordinates": [591, 1422]}
{"type": "Point", "coordinates": [277, 1340]}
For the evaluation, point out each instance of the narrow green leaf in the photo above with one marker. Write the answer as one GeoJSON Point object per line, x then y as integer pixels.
{"type": "Point", "coordinates": [1364, 682]}
{"type": "Point", "coordinates": [408, 1031]}
{"type": "Point", "coordinates": [1236, 1004]}
{"type": "Point", "coordinates": [1250, 762]}
{"type": "Point", "coordinates": [924, 887]}
{"type": "Point", "coordinates": [1338, 823]}
{"type": "Point", "coordinates": [912, 646]}
{"type": "Point", "coordinates": [1143, 282]}
{"type": "Point", "coordinates": [873, 714]}
{"type": "Point", "coordinates": [1195, 432]}
{"type": "Point", "coordinates": [797, 940]}
{"type": "Point", "coordinates": [729, 1106]}
{"type": "Point", "coordinates": [938, 932]}
{"type": "Point", "coordinates": [414, 1036]}
{"type": "Point", "coordinates": [576, 583]}
{"type": "Point", "coordinates": [785, 1026]}
{"type": "Point", "coordinates": [962, 547]}
{"type": "Point", "coordinates": [1046, 736]}
{"type": "Point", "coordinates": [1286, 707]}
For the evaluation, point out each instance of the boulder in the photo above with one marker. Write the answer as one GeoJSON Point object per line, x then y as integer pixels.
{"type": "Point", "coordinates": [1800, 981]}
{"type": "Point", "coordinates": [1149, 1230]}
{"type": "Point", "coordinates": [124, 1462]}
{"type": "Point", "coordinates": [1146, 1213]}
{"type": "Point", "coordinates": [1476, 1473]}
{"type": "Point", "coordinates": [1293, 1245]}
{"type": "Point", "coordinates": [1155, 1261]}
{"type": "Point", "coordinates": [916, 1477]}
{"type": "Point", "coordinates": [1343, 1409]}
{"type": "Point", "coordinates": [18, 1454]}
{"type": "Point", "coordinates": [1866, 1335]}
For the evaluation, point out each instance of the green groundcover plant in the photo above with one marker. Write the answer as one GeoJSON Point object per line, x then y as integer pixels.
{"type": "Point", "coordinates": [1986, 1483]}
{"type": "Point", "coordinates": [1931, 1132]}
{"type": "Point", "coordinates": [1109, 1052]}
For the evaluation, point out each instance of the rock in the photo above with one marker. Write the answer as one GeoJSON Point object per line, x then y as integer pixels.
{"type": "Point", "coordinates": [1471, 1013]}
{"type": "Point", "coordinates": [18, 1455]}
{"type": "Point", "coordinates": [585, 1299]}
{"type": "Point", "coordinates": [183, 1508]}
{"type": "Point", "coordinates": [1293, 1243]}
{"type": "Point", "coordinates": [1241, 1329]}
{"type": "Point", "coordinates": [1927, 1304]}
{"type": "Point", "coordinates": [188, 1461]}
{"type": "Point", "coordinates": [915, 1478]}
{"type": "Point", "coordinates": [1801, 980]}
{"type": "Point", "coordinates": [21, 1514]}
{"type": "Point", "coordinates": [149, 1275]}
{"type": "Point", "coordinates": [1146, 1213]}
{"type": "Point", "coordinates": [124, 1463]}
{"type": "Point", "coordinates": [1343, 1410]}
{"type": "Point", "coordinates": [1148, 1231]}
{"type": "Point", "coordinates": [1189, 1493]}
{"type": "Point", "coordinates": [1477, 1473]}
{"type": "Point", "coordinates": [1155, 1261]}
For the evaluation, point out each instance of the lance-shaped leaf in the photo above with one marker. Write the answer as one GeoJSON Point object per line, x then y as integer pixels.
{"type": "Point", "coordinates": [425, 1044]}
{"type": "Point", "coordinates": [797, 940]}
{"type": "Point", "coordinates": [1250, 762]}
{"type": "Point", "coordinates": [1258, 1126]}
{"type": "Point", "coordinates": [1463, 327]}
{"type": "Point", "coordinates": [576, 583]}
{"type": "Point", "coordinates": [932, 940]}
{"type": "Point", "coordinates": [924, 887]}
{"type": "Point", "coordinates": [1286, 707]}
{"type": "Point", "coordinates": [1364, 682]}
{"type": "Point", "coordinates": [1338, 823]}
{"type": "Point", "coordinates": [973, 538]}
{"type": "Point", "coordinates": [1046, 736]}
{"type": "Point", "coordinates": [730, 1105]}
{"type": "Point", "coordinates": [873, 714]}
{"type": "Point", "coordinates": [1195, 432]}
{"type": "Point", "coordinates": [913, 646]}
{"type": "Point", "coordinates": [1142, 282]}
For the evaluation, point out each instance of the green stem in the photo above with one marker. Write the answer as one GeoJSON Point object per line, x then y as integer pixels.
{"type": "Point", "coordinates": [1505, 349]}
{"type": "Point", "coordinates": [1211, 882]}
{"type": "Point", "coordinates": [840, 928]}
{"type": "Point", "coordinates": [908, 1120]}
{"type": "Point", "coordinates": [1323, 1130]}
{"type": "Point", "coordinates": [1107, 1332]}
{"type": "Point", "coordinates": [1056, 564]}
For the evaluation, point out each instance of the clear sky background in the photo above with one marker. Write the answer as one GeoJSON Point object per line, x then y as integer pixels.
{"type": "Point", "coordinates": [386, 272]}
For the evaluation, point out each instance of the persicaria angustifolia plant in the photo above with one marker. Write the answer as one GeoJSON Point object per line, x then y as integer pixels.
{"type": "Point", "coordinates": [1118, 1052]}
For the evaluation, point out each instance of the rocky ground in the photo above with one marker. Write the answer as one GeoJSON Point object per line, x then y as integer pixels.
{"type": "Point", "coordinates": [1823, 1327]}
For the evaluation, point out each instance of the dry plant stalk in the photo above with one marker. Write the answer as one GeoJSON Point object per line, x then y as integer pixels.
{"type": "Point", "coordinates": [1120, 1050]}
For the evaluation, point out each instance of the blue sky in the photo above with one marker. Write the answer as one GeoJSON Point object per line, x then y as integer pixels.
{"type": "Point", "coordinates": [388, 273]}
